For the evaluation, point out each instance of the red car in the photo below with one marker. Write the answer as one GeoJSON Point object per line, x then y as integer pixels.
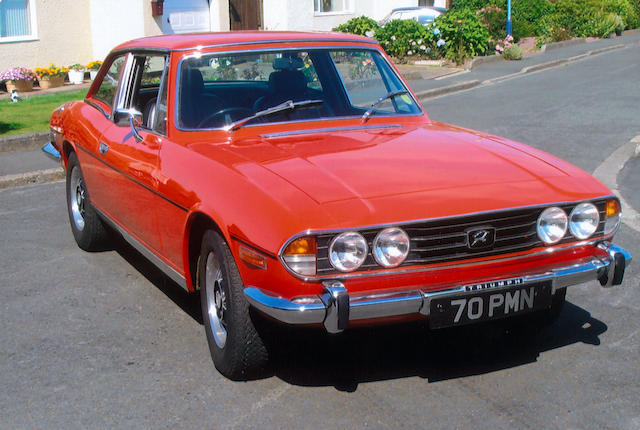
{"type": "Point", "coordinates": [296, 175]}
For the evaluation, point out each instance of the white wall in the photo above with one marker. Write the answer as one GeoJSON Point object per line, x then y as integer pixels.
{"type": "Point", "coordinates": [114, 22]}
{"type": "Point", "coordinates": [295, 15]}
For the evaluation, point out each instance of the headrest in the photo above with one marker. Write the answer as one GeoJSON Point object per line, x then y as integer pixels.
{"type": "Point", "coordinates": [192, 80]}
{"type": "Point", "coordinates": [288, 63]}
{"type": "Point", "coordinates": [287, 82]}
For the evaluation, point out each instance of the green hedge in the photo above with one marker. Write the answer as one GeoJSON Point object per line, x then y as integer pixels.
{"type": "Point", "coordinates": [360, 25]}
{"type": "Point", "coordinates": [465, 34]}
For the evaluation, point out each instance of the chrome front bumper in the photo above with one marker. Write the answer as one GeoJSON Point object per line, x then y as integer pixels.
{"type": "Point", "coordinates": [335, 307]}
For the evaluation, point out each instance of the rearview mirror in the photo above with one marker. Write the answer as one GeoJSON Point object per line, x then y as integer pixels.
{"type": "Point", "coordinates": [130, 117]}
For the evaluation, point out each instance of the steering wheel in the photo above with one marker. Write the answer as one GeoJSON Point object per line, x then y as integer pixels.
{"type": "Point", "coordinates": [239, 112]}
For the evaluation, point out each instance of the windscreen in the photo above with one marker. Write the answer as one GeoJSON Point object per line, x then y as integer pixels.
{"type": "Point", "coordinates": [217, 90]}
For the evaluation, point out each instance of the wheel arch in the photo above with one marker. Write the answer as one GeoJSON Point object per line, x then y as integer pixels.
{"type": "Point", "coordinates": [197, 224]}
{"type": "Point", "coordinates": [67, 149]}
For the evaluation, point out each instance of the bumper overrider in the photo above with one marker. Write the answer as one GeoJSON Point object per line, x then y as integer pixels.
{"type": "Point", "coordinates": [335, 307]}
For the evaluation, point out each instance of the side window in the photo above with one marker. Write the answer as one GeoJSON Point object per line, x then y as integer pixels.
{"type": "Point", "coordinates": [107, 90]}
{"type": "Point", "coordinates": [160, 120]}
{"type": "Point", "coordinates": [148, 77]}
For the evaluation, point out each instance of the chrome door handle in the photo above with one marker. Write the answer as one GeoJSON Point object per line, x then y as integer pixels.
{"type": "Point", "coordinates": [103, 148]}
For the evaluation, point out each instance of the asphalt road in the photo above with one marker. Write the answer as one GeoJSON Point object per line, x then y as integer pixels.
{"type": "Point", "coordinates": [100, 340]}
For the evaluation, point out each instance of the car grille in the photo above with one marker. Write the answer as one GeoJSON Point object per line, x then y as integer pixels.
{"type": "Point", "coordinates": [445, 240]}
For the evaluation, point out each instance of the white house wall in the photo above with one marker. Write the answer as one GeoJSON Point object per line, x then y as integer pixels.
{"type": "Point", "coordinates": [116, 21]}
{"type": "Point", "coordinates": [299, 14]}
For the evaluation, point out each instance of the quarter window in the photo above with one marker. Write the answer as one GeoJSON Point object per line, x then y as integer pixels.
{"type": "Point", "coordinates": [17, 20]}
{"type": "Point", "coordinates": [146, 92]}
{"type": "Point", "coordinates": [109, 84]}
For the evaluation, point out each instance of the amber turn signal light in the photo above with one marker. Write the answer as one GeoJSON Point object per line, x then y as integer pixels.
{"type": "Point", "coordinates": [302, 246]}
{"type": "Point", "coordinates": [300, 255]}
{"type": "Point", "coordinates": [252, 258]}
{"type": "Point", "coordinates": [612, 207]}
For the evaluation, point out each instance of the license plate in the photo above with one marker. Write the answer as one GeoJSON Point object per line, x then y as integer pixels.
{"type": "Point", "coordinates": [488, 305]}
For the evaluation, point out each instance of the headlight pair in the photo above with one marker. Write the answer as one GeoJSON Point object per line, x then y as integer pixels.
{"type": "Point", "coordinates": [349, 250]}
{"type": "Point", "coordinates": [583, 221]}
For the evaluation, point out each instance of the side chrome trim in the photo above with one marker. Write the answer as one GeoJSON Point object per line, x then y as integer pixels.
{"type": "Point", "coordinates": [329, 130]}
{"type": "Point", "coordinates": [51, 151]}
{"type": "Point", "coordinates": [334, 304]}
{"type": "Point", "coordinates": [145, 251]}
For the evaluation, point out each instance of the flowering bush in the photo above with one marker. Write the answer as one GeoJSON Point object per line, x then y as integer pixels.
{"type": "Point", "coordinates": [94, 65]}
{"type": "Point", "coordinates": [18, 74]}
{"type": "Point", "coordinates": [503, 44]}
{"type": "Point", "coordinates": [409, 38]}
{"type": "Point", "coordinates": [51, 71]}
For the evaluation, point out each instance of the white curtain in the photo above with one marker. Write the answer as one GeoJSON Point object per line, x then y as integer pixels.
{"type": "Point", "coordinates": [14, 18]}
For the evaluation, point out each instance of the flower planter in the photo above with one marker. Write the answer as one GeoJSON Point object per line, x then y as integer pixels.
{"type": "Point", "coordinates": [22, 85]}
{"type": "Point", "coordinates": [51, 82]}
{"type": "Point", "coordinates": [76, 76]}
{"type": "Point", "coordinates": [93, 74]}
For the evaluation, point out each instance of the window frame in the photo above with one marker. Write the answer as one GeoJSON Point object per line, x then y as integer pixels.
{"type": "Point", "coordinates": [32, 24]}
{"type": "Point", "coordinates": [348, 10]}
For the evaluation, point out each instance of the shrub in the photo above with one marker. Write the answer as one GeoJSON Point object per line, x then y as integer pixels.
{"type": "Point", "coordinates": [362, 25]}
{"type": "Point", "coordinates": [623, 8]}
{"type": "Point", "coordinates": [550, 30]}
{"type": "Point", "coordinates": [513, 52]}
{"type": "Point", "coordinates": [584, 18]}
{"type": "Point", "coordinates": [407, 38]}
{"type": "Point", "coordinates": [494, 18]}
{"type": "Point", "coordinates": [464, 33]}
{"type": "Point", "coordinates": [527, 15]}
{"type": "Point", "coordinates": [476, 4]}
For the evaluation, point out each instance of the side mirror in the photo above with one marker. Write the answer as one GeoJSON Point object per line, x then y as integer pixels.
{"type": "Point", "coordinates": [129, 117]}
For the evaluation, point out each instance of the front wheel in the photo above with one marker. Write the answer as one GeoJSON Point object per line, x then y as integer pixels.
{"type": "Point", "coordinates": [236, 347]}
{"type": "Point", "coordinates": [86, 225]}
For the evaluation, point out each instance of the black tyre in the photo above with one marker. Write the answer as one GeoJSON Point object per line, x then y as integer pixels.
{"type": "Point", "coordinates": [88, 231]}
{"type": "Point", "coordinates": [237, 349]}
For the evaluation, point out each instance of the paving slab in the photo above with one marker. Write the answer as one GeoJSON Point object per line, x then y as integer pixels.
{"type": "Point", "coordinates": [13, 163]}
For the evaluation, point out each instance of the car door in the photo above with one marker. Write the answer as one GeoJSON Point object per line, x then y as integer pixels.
{"type": "Point", "coordinates": [132, 154]}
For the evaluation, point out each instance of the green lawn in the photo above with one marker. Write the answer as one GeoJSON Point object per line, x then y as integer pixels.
{"type": "Point", "coordinates": [32, 114]}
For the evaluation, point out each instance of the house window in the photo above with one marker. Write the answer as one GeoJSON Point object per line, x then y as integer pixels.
{"type": "Point", "coordinates": [332, 6]}
{"type": "Point", "coordinates": [17, 20]}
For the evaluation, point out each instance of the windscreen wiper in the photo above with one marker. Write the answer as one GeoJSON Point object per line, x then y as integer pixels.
{"type": "Point", "coordinates": [288, 105]}
{"type": "Point", "coordinates": [374, 106]}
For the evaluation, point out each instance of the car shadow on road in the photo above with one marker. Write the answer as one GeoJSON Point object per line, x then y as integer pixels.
{"type": "Point", "coordinates": [313, 358]}
{"type": "Point", "coordinates": [189, 303]}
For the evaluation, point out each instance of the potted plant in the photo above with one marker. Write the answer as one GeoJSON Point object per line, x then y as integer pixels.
{"type": "Point", "coordinates": [76, 74]}
{"type": "Point", "coordinates": [51, 77]}
{"type": "Point", "coordinates": [93, 68]}
{"type": "Point", "coordinates": [18, 78]}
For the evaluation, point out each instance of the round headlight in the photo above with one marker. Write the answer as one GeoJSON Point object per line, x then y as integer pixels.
{"type": "Point", "coordinates": [391, 247]}
{"type": "Point", "coordinates": [583, 220]}
{"type": "Point", "coordinates": [552, 225]}
{"type": "Point", "coordinates": [348, 251]}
